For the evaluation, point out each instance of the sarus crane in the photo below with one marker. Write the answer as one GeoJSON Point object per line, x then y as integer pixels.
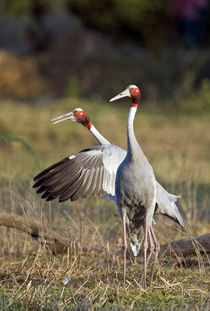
{"type": "Point", "coordinates": [79, 172]}
{"type": "Point", "coordinates": [135, 186]}
{"type": "Point", "coordinates": [165, 201]}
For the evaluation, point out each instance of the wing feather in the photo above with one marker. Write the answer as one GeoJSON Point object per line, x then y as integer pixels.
{"type": "Point", "coordinates": [91, 172]}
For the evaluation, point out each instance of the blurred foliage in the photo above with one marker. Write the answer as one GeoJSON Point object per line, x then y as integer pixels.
{"type": "Point", "coordinates": [198, 101]}
{"type": "Point", "coordinates": [145, 20]}
{"type": "Point", "coordinates": [7, 140]}
{"type": "Point", "coordinates": [204, 94]}
{"type": "Point", "coordinates": [152, 23]}
{"type": "Point", "coordinates": [24, 7]}
{"type": "Point", "coordinates": [21, 7]}
{"type": "Point", "coordinates": [174, 74]}
{"type": "Point", "coordinates": [72, 87]}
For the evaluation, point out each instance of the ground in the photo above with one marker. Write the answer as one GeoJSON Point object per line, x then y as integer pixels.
{"type": "Point", "coordinates": [32, 278]}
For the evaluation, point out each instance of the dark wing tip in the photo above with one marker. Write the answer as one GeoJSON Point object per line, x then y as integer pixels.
{"type": "Point", "coordinates": [50, 168]}
{"type": "Point", "coordinates": [72, 178]}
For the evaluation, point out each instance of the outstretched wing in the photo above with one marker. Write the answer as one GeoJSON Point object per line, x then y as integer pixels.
{"type": "Point", "coordinates": [92, 172]}
{"type": "Point", "coordinates": [89, 173]}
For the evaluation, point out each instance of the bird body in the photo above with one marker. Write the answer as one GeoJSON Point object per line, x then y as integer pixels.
{"type": "Point", "coordinates": [131, 178]}
{"type": "Point", "coordinates": [133, 193]}
{"type": "Point", "coordinates": [135, 189]}
{"type": "Point", "coordinates": [124, 177]}
{"type": "Point", "coordinates": [111, 156]}
{"type": "Point", "coordinates": [135, 184]}
{"type": "Point", "coordinates": [135, 200]}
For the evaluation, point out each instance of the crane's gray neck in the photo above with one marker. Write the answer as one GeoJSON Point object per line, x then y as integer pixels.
{"type": "Point", "coordinates": [101, 139]}
{"type": "Point", "coordinates": [133, 146]}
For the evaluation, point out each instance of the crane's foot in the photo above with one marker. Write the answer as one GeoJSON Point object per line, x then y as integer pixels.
{"type": "Point", "coordinates": [154, 250]}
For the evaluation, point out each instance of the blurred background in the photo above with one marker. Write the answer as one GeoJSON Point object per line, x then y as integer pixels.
{"type": "Point", "coordinates": [56, 55]}
{"type": "Point", "coordinates": [94, 48]}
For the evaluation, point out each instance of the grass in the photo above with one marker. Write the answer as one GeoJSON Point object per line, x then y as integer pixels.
{"type": "Point", "coordinates": [37, 281]}
{"type": "Point", "coordinates": [31, 278]}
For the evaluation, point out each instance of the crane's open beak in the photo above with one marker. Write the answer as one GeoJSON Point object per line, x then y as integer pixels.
{"type": "Point", "coordinates": [67, 116]}
{"type": "Point", "coordinates": [125, 93]}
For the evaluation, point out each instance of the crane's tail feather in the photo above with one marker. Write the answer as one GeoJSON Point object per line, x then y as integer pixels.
{"type": "Point", "coordinates": [178, 216]}
{"type": "Point", "coordinates": [166, 205]}
{"type": "Point", "coordinates": [173, 197]}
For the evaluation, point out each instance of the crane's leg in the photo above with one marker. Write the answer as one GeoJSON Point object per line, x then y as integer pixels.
{"type": "Point", "coordinates": [124, 245]}
{"type": "Point", "coordinates": [145, 249]}
{"type": "Point", "coordinates": [152, 249]}
{"type": "Point", "coordinates": [152, 245]}
{"type": "Point", "coordinates": [157, 250]}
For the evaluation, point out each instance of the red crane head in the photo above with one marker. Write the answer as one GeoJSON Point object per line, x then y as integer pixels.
{"type": "Point", "coordinates": [131, 91]}
{"type": "Point", "coordinates": [76, 115]}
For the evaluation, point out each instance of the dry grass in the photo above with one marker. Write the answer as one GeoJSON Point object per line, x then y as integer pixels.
{"type": "Point", "coordinates": [31, 278]}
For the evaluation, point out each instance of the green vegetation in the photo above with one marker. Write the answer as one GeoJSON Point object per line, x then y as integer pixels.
{"type": "Point", "coordinates": [146, 21]}
{"type": "Point", "coordinates": [23, 7]}
{"type": "Point", "coordinates": [151, 23]}
{"type": "Point", "coordinates": [31, 277]}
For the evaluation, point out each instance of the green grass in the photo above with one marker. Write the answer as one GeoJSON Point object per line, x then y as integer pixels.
{"type": "Point", "coordinates": [30, 277]}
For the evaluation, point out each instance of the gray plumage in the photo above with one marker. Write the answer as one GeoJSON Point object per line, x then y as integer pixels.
{"type": "Point", "coordinates": [92, 172]}
{"type": "Point", "coordinates": [135, 187]}
{"type": "Point", "coordinates": [86, 174]}
{"type": "Point", "coordinates": [135, 191]}
{"type": "Point", "coordinates": [58, 178]}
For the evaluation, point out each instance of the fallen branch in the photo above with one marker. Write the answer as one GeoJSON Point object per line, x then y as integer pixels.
{"type": "Point", "coordinates": [187, 247]}
{"type": "Point", "coordinates": [44, 235]}
{"type": "Point", "coordinates": [60, 245]}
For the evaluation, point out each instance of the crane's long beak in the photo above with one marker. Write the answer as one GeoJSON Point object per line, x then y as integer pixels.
{"type": "Point", "coordinates": [121, 95]}
{"type": "Point", "coordinates": [67, 116]}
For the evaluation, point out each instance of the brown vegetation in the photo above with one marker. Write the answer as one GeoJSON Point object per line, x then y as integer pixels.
{"type": "Point", "coordinates": [14, 69]}
{"type": "Point", "coordinates": [89, 275]}
{"type": "Point", "coordinates": [60, 245]}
